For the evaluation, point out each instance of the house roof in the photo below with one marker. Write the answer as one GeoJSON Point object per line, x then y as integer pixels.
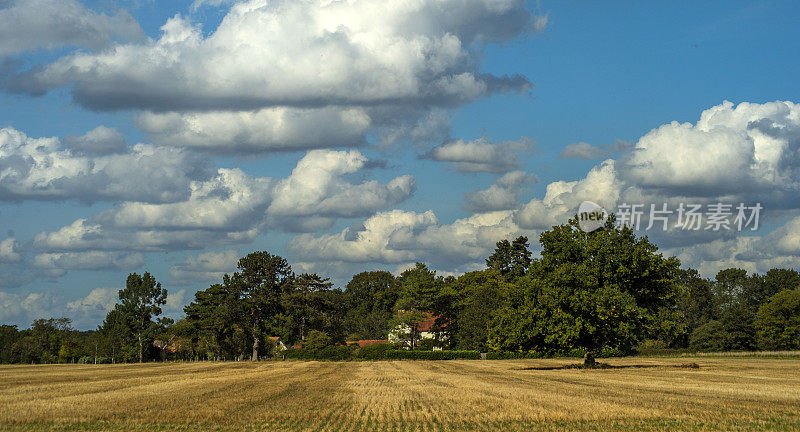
{"type": "Point", "coordinates": [428, 321]}
{"type": "Point", "coordinates": [173, 346]}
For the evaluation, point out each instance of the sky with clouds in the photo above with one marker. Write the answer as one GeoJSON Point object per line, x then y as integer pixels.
{"type": "Point", "coordinates": [175, 137]}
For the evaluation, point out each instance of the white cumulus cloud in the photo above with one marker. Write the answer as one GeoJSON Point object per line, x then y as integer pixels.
{"type": "Point", "coordinates": [502, 195]}
{"type": "Point", "coordinates": [24, 308]}
{"type": "Point", "coordinates": [47, 24]}
{"type": "Point", "coordinates": [231, 208]}
{"type": "Point", "coordinates": [9, 251]}
{"type": "Point", "coordinates": [276, 129]}
{"type": "Point", "coordinates": [98, 141]}
{"type": "Point", "coordinates": [205, 267]}
{"type": "Point", "coordinates": [94, 307]}
{"type": "Point", "coordinates": [302, 53]}
{"type": "Point", "coordinates": [58, 263]}
{"type": "Point", "coordinates": [46, 169]}
{"type": "Point", "coordinates": [398, 236]}
{"type": "Point", "coordinates": [317, 187]}
{"type": "Point", "coordinates": [749, 149]}
{"type": "Point", "coordinates": [746, 153]}
{"type": "Point", "coordinates": [482, 155]}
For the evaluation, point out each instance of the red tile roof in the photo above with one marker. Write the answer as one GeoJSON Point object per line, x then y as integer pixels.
{"type": "Point", "coordinates": [173, 346]}
{"type": "Point", "coordinates": [428, 323]}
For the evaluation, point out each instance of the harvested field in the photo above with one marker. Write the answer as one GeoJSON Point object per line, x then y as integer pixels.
{"type": "Point", "coordinates": [736, 393]}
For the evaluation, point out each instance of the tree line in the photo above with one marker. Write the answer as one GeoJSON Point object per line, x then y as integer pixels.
{"type": "Point", "coordinates": [605, 291]}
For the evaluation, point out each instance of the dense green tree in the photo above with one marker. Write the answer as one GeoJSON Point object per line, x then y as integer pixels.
{"type": "Point", "coordinates": [518, 324]}
{"type": "Point", "coordinates": [779, 279]}
{"type": "Point", "coordinates": [310, 303]}
{"type": "Point", "coordinates": [511, 259]}
{"type": "Point", "coordinates": [370, 300]}
{"type": "Point", "coordinates": [733, 331]}
{"type": "Point", "coordinates": [317, 340]}
{"type": "Point", "coordinates": [778, 321]}
{"type": "Point", "coordinates": [112, 337]}
{"type": "Point", "coordinates": [139, 304]}
{"type": "Point", "coordinates": [696, 298]}
{"type": "Point", "coordinates": [419, 288]}
{"type": "Point", "coordinates": [763, 287]}
{"type": "Point", "coordinates": [8, 336]}
{"type": "Point", "coordinates": [668, 327]}
{"type": "Point", "coordinates": [215, 315]}
{"type": "Point", "coordinates": [737, 298]}
{"type": "Point", "coordinates": [183, 336]}
{"type": "Point", "coordinates": [739, 328]}
{"type": "Point", "coordinates": [729, 286]}
{"type": "Point", "coordinates": [51, 335]}
{"type": "Point", "coordinates": [261, 281]}
{"type": "Point", "coordinates": [608, 288]}
{"type": "Point", "coordinates": [420, 296]}
{"type": "Point", "coordinates": [70, 349]}
{"type": "Point", "coordinates": [708, 337]}
{"type": "Point", "coordinates": [475, 297]}
{"type": "Point", "coordinates": [695, 305]}
{"type": "Point", "coordinates": [27, 350]}
{"type": "Point", "coordinates": [588, 290]}
{"type": "Point", "coordinates": [335, 310]}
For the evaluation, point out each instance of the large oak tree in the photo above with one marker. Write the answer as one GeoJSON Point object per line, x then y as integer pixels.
{"type": "Point", "coordinates": [587, 290]}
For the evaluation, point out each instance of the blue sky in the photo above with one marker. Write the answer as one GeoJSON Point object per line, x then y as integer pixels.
{"type": "Point", "coordinates": [399, 127]}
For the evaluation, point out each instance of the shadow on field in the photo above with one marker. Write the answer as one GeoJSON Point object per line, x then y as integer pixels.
{"type": "Point", "coordinates": [608, 366]}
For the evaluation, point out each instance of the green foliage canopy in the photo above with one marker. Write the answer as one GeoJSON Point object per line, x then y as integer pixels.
{"type": "Point", "coordinates": [588, 291]}
{"type": "Point", "coordinates": [778, 321]}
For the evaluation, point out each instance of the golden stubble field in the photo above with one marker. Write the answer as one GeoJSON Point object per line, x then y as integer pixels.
{"type": "Point", "coordinates": [508, 395]}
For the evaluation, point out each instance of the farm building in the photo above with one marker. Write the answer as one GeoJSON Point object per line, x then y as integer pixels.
{"type": "Point", "coordinates": [419, 328]}
{"type": "Point", "coordinates": [277, 343]}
